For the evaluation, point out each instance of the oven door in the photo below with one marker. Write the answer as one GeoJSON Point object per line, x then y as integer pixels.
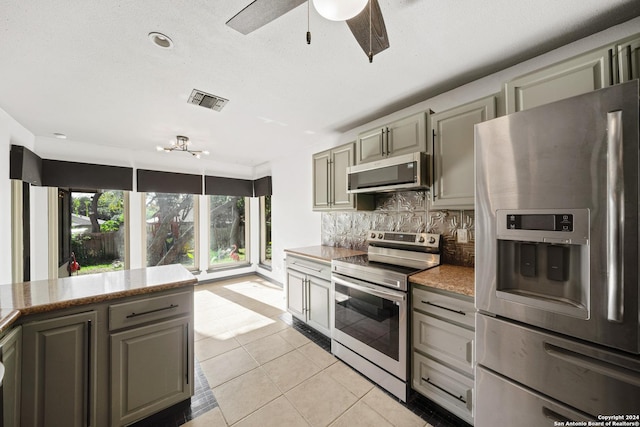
{"type": "Point", "coordinates": [371, 320]}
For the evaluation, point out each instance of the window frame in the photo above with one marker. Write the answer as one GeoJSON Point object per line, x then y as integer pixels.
{"type": "Point", "coordinates": [54, 221]}
{"type": "Point", "coordinates": [211, 268]}
{"type": "Point", "coordinates": [196, 229]}
{"type": "Point", "coordinates": [265, 262]}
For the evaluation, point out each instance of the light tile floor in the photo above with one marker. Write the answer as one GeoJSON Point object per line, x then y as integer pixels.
{"type": "Point", "coordinates": [265, 373]}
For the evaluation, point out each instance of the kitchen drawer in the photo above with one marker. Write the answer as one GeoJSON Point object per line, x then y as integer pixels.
{"type": "Point", "coordinates": [152, 309]}
{"type": "Point", "coordinates": [588, 378]}
{"type": "Point", "coordinates": [447, 307]}
{"type": "Point", "coordinates": [502, 402]}
{"type": "Point", "coordinates": [312, 268]}
{"type": "Point", "coordinates": [448, 388]}
{"type": "Point", "coordinates": [449, 343]}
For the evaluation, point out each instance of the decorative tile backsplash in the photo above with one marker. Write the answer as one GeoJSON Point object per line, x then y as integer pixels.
{"type": "Point", "coordinates": [407, 211]}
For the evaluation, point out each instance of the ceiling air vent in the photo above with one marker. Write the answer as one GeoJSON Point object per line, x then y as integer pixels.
{"type": "Point", "coordinates": [207, 100]}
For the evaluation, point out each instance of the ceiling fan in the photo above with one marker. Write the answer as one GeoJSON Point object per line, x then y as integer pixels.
{"type": "Point", "coordinates": [368, 28]}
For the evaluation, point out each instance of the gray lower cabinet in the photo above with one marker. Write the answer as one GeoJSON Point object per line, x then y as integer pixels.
{"type": "Point", "coordinates": [151, 342]}
{"type": "Point", "coordinates": [150, 369]}
{"type": "Point", "coordinates": [104, 364]}
{"type": "Point", "coordinates": [308, 292]}
{"type": "Point", "coordinates": [628, 59]}
{"type": "Point", "coordinates": [404, 136]}
{"type": "Point", "coordinates": [330, 181]}
{"type": "Point", "coordinates": [443, 328]}
{"type": "Point", "coordinates": [59, 371]}
{"type": "Point", "coordinates": [452, 133]}
{"type": "Point", "coordinates": [10, 356]}
{"type": "Point", "coordinates": [575, 76]}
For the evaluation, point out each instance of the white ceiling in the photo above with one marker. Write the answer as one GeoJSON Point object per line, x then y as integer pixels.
{"type": "Point", "coordinates": [86, 68]}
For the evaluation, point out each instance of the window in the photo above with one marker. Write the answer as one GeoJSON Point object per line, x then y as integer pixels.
{"type": "Point", "coordinates": [92, 231]}
{"type": "Point", "coordinates": [227, 231]}
{"type": "Point", "coordinates": [265, 230]}
{"type": "Point", "coordinates": [171, 229]}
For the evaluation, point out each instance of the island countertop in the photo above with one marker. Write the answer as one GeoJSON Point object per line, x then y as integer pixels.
{"type": "Point", "coordinates": [20, 299]}
{"type": "Point", "coordinates": [324, 253]}
{"type": "Point", "coordinates": [452, 278]}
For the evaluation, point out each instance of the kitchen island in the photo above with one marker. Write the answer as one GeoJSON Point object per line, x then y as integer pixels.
{"type": "Point", "coordinates": [103, 350]}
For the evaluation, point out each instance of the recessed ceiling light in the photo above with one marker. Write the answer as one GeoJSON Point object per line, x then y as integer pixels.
{"type": "Point", "coordinates": [60, 135]}
{"type": "Point", "coordinates": [161, 40]}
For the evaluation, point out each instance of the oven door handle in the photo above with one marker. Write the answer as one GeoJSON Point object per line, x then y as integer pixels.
{"type": "Point", "coordinates": [390, 295]}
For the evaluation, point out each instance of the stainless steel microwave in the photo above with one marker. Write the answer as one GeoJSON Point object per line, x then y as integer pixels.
{"type": "Point", "coordinates": [406, 172]}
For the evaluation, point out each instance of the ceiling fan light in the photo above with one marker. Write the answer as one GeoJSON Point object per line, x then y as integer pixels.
{"type": "Point", "coordinates": [339, 10]}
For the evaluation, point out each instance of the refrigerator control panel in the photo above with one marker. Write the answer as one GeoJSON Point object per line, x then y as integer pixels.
{"type": "Point", "coordinates": [544, 222]}
{"type": "Point", "coordinates": [566, 226]}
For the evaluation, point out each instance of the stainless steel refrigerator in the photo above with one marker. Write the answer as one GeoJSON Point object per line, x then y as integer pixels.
{"type": "Point", "coordinates": [557, 255]}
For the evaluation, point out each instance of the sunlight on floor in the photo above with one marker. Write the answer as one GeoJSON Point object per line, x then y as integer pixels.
{"type": "Point", "coordinates": [228, 311]}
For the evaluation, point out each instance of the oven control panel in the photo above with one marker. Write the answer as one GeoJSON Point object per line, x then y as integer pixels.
{"type": "Point", "coordinates": [414, 239]}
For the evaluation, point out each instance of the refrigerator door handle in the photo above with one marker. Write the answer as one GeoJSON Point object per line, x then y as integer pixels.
{"type": "Point", "coordinates": [588, 363]}
{"type": "Point", "coordinates": [615, 218]}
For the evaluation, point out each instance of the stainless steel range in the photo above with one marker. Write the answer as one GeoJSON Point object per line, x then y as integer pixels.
{"type": "Point", "coordinates": [370, 305]}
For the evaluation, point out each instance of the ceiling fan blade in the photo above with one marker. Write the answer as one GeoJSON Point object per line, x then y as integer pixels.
{"type": "Point", "coordinates": [261, 12]}
{"type": "Point", "coordinates": [359, 26]}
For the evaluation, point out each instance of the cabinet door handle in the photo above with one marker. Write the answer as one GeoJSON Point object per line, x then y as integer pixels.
{"type": "Point", "coordinates": [445, 308]}
{"type": "Point", "coordinates": [386, 139]}
{"type": "Point", "coordinates": [460, 398]}
{"type": "Point", "coordinates": [382, 142]}
{"type": "Point", "coordinates": [433, 164]}
{"type": "Point", "coordinates": [89, 355]}
{"type": "Point", "coordinates": [186, 374]}
{"type": "Point", "coordinates": [329, 195]}
{"type": "Point", "coordinates": [172, 306]}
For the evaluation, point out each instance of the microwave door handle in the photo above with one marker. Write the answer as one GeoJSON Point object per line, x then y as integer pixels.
{"type": "Point", "coordinates": [615, 218]}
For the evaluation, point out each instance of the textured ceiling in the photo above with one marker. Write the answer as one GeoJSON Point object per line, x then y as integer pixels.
{"type": "Point", "coordinates": [86, 68]}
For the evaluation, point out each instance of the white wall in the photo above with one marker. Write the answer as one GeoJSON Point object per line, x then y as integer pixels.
{"type": "Point", "coordinates": [294, 223]}
{"type": "Point", "coordinates": [11, 132]}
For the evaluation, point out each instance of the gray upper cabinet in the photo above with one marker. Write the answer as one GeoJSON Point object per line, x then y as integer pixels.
{"type": "Point", "coordinates": [453, 150]}
{"type": "Point", "coordinates": [575, 76]}
{"type": "Point", "coordinates": [330, 181]}
{"type": "Point", "coordinates": [11, 355]}
{"type": "Point", "coordinates": [628, 59]}
{"type": "Point", "coordinates": [403, 136]}
{"type": "Point", "coordinates": [59, 375]}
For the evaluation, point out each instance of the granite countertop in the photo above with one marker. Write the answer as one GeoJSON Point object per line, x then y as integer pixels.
{"type": "Point", "coordinates": [20, 299]}
{"type": "Point", "coordinates": [452, 278]}
{"type": "Point", "coordinates": [324, 253]}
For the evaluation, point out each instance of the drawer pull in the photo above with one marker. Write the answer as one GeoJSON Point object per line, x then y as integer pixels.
{"type": "Point", "coordinates": [445, 308]}
{"type": "Point", "coordinates": [460, 398]}
{"type": "Point", "coordinates": [132, 315]}
{"type": "Point", "coordinates": [319, 270]}
{"type": "Point", "coordinates": [553, 415]}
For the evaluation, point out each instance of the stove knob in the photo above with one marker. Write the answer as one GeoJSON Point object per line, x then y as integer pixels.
{"type": "Point", "coordinates": [421, 239]}
{"type": "Point", "coordinates": [373, 235]}
{"type": "Point", "coordinates": [380, 236]}
{"type": "Point", "coordinates": [432, 240]}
